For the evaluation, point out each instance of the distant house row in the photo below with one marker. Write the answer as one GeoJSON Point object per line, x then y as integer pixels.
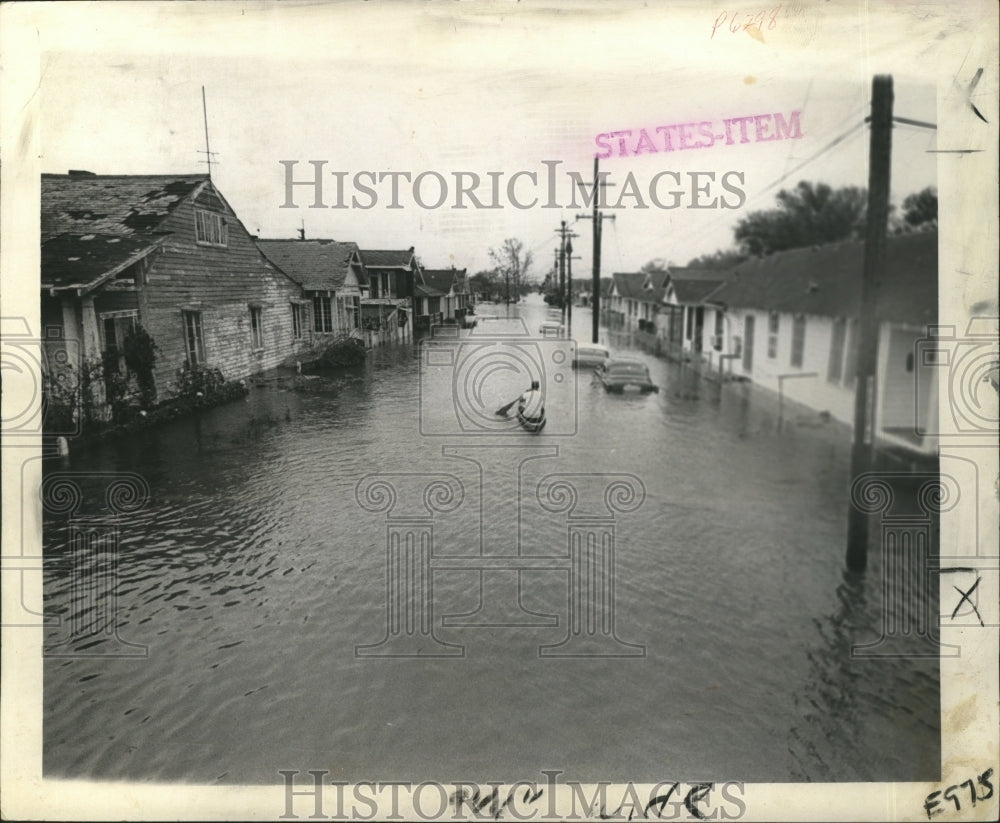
{"type": "Point", "coordinates": [789, 322]}
{"type": "Point", "coordinates": [168, 252]}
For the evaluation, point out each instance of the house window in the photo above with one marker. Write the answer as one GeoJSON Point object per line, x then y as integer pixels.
{"type": "Point", "coordinates": [210, 228]}
{"type": "Point", "coordinates": [322, 315]}
{"type": "Point", "coordinates": [355, 312]}
{"type": "Point", "coordinates": [773, 325]}
{"type": "Point", "coordinates": [838, 337]}
{"type": "Point", "coordinates": [296, 321]}
{"type": "Point", "coordinates": [194, 342]}
{"type": "Point", "coordinates": [256, 328]}
{"type": "Point", "coordinates": [689, 324]}
{"type": "Point", "coordinates": [717, 340]}
{"type": "Point", "coordinates": [798, 339]}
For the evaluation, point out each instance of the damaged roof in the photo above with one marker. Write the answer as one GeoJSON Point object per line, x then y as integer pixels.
{"type": "Point", "coordinates": [81, 262]}
{"type": "Point", "coordinates": [111, 205]}
{"type": "Point", "coordinates": [317, 265]}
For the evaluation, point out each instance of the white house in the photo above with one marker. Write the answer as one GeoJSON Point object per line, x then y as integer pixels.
{"type": "Point", "coordinates": [789, 322]}
{"type": "Point", "coordinates": [634, 300]}
{"type": "Point", "coordinates": [680, 323]}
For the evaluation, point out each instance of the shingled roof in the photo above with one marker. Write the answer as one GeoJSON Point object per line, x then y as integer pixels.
{"type": "Point", "coordinates": [84, 262]}
{"type": "Point", "coordinates": [95, 225]}
{"type": "Point", "coordinates": [317, 265]}
{"type": "Point", "coordinates": [387, 259]}
{"type": "Point", "coordinates": [629, 284]}
{"type": "Point", "coordinates": [111, 205]}
{"type": "Point", "coordinates": [826, 280]}
{"type": "Point", "coordinates": [420, 290]}
{"type": "Point", "coordinates": [444, 279]}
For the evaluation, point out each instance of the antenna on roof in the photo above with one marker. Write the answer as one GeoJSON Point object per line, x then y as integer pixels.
{"type": "Point", "coordinates": [208, 152]}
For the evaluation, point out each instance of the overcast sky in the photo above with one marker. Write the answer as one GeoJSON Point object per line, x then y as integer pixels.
{"type": "Point", "coordinates": [449, 87]}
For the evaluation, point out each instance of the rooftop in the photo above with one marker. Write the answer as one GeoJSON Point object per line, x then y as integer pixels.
{"type": "Point", "coordinates": [317, 265]}
{"type": "Point", "coordinates": [826, 280]}
{"type": "Point", "coordinates": [111, 205]}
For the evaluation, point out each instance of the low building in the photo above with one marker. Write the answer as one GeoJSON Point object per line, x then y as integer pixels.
{"type": "Point", "coordinates": [623, 302]}
{"type": "Point", "coordinates": [168, 254]}
{"type": "Point", "coordinates": [681, 322]}
{"type": "Point", "coordinates": [451, 286]}
{"type": "Point", "coordinates": [389, 300]}
{"type": "Point", "coordinates": [330, 274]}
{"type": "Point", "coordinates": [789, 322]}
{"type": "Point", "coordinates": [427, 302]}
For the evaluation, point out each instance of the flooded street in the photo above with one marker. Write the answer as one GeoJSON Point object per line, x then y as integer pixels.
{"type": "Point", "coordinates": [253, 574]}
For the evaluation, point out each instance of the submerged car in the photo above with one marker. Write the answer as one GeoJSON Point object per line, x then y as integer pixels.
{"type": "Point", "coordinates": [620, 375]}
{"type": "Point", "coordinates": [591, 356]}
{"type": "Point", "coordinates": [552, 329]}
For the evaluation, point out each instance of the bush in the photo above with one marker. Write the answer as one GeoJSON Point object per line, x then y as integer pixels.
{"type": "Point", "coordinates": [344, 351]}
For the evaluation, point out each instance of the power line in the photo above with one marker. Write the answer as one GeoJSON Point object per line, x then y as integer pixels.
{"type": "Point", "coordinates": [712, 224]}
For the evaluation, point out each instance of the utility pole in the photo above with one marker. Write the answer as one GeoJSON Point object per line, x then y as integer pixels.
{"type": "Point", "coordinates": [562, 268]}
{"type": "Point", "coordinates": [865, 395]}
{"type": "Point", "coordinates": [569, 284]}
{"type": "Point", "coordinates": [565, 294]}
{"type": "Point", "coordinates": [598, 227]}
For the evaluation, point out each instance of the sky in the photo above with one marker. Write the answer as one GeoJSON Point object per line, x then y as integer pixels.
{"type": "Point", "coordinates": [461, 87]}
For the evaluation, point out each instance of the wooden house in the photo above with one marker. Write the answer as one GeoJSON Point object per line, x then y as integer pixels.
{"type": "Point", "coordinates": [330, 274]}
{"type": "Point", "coordinates": [451, 287]}
{"type": "Point", "coordinates": [392, 278]}
{"type": "Point", "coordinates": [166, 252]}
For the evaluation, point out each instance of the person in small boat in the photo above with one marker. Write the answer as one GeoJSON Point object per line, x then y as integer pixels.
{"type": "Point", "coordinates": [530, 403]}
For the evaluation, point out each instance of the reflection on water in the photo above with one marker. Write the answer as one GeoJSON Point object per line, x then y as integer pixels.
{"type": "Point", "coordinates": [252, 574]}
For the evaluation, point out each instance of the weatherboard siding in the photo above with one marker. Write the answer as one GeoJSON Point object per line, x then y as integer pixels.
{"type": "Point", "coordinates": [815, 392]}
{"type": "Point", "coordinates": [222, 283]}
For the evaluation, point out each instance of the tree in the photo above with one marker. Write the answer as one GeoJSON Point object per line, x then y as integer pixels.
{"type": "Point", "coordinates": [485, 283]}
{"type": "Point", "coordinates": [920, 209]}
{"type": "Point", "coordinates": [511, 263]}
{"type": "Point", "coordinates": [655, 266]}
{"type": "Point", "coordinates": [810, 214]}
{"type": "Point", "coordinates": [719, 259]}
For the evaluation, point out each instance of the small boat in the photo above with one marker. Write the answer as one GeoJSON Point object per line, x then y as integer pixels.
{"type": "Point", "coordinates": [531, 424]}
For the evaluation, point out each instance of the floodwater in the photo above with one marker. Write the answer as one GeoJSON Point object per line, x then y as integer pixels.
{"type": "Point", "coordinates": [253, 574]}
